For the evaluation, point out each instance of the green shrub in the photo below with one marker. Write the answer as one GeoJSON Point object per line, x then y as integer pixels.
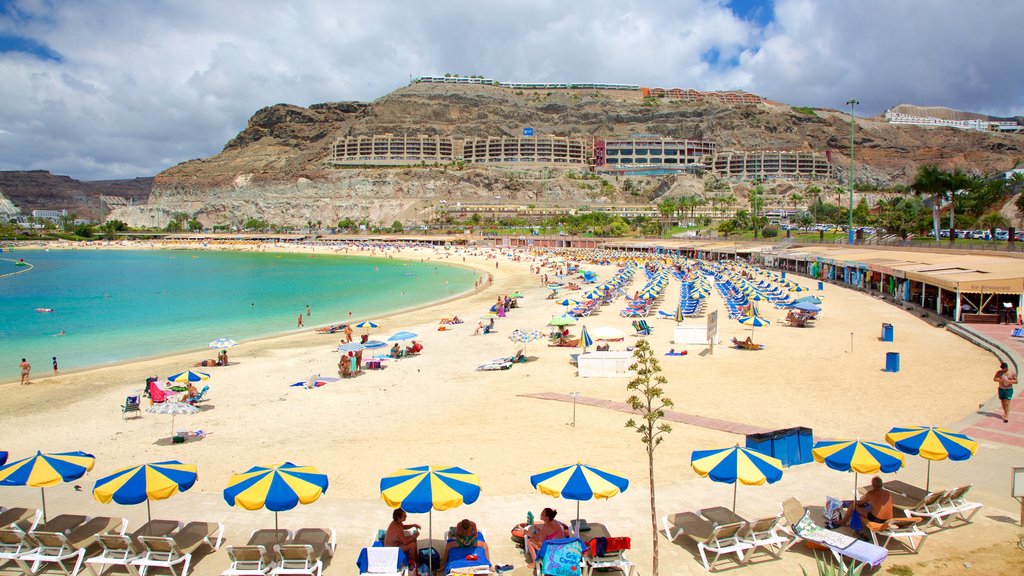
{"type": "Point", "coordinates": [804, 110]}
{"type": "Point", "coordinates": [769, 232]}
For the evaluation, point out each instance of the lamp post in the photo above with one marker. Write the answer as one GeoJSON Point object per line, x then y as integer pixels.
{"type": "Point", "coordinates": [851, 103]}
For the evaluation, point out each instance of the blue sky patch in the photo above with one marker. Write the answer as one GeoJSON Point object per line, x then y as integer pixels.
{"type": "Point", "coordinates": [28, 46]}
{"type": "Point", "coordinates": [761, 12]}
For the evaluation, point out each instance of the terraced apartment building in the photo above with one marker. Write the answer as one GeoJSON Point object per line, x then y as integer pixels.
{"type": "Point", "coordinates": [390, 149]}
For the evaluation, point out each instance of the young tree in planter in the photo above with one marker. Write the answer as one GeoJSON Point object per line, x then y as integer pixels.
{"type": "Point", "coordinates": [649, 403]}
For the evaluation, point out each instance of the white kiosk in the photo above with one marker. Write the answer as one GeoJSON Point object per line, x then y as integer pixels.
{"type": "Point", "coordinates": [604, 364]}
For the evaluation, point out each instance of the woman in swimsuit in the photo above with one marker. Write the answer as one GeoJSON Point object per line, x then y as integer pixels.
{"type": "Point", "coordinates": [547, 530]}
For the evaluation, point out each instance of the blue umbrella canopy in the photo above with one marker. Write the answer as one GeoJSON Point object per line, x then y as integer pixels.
{"type": "Point", "coordinates": [579, 482]}
{"type": "Point", "coordinates": [44, 470]}
{"type": "Point", "coordinates": [352, 347]}
{"type": "Point", "coordinates": [806, 306]}
{"type": "Point", "coordinates": [188, 376]}
{"type": "Point", "coordinates": [932, 443]}
{"type": "Point", "coordinates": [367, 324]}
{"type": "Point", "coordinates": [137, 484]}
{"type": "Point", "coordinates": [585, 339]}
{"type": "Point", "coordinates": [735, 465]}
{"type": "Point", "coordinates": [857, 457]}
{"type": "Point", "coordinates": [755, 321]}
{"type": "Point", "coordinates": [277, 488]}
{"type": "Point", "coordinates": [3, 457]}
{"type": "Point", "coordinates": [399, 336]}
{"type": "Point", "coordinates": [425, 488]}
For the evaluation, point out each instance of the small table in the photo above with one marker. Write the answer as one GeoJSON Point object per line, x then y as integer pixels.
{"type": "Point", "coordinates": [721, 515]}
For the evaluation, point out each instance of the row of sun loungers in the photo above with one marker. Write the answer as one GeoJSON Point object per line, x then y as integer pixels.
{"type": "Point", "coordinates": [720, 533]}
{"type": "Point", "coordinates": [101, 544]}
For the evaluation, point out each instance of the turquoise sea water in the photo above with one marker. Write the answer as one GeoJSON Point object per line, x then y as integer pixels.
{"type": "Point", "coordinates": [118, 305]}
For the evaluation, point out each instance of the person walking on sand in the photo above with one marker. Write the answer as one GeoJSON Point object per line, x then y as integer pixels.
{"type": "Point", "coordinates": [55, 365]}
{"type": "Point", "coordinates": [1006, 380]}
{"type": "Point", "coordinates": [348, 332]}
{"type": "Point", "coordinates": [300, 321]}
{"type": "Point", "coordinates": [25, 369]}
{"type": "Point", "coordinates": [307, 310]}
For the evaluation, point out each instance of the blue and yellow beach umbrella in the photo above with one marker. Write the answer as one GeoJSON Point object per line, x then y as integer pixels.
{"type": "Point", "coordinates": [137, 484]}
{"type": "Point", "coordinates": [932, 443]}
{"type": "Point", "coordinates": [735, 465]}
{"type": "Point", "coordinates": [188, 376]}
{"type": "Point", "coordinates": [857, 457]}
{"type": "Point", "coordinates": [424, 488]}
{"type": "Point", "coordinates": [45, 470]}
{"type": "Point", "coordinates": [755, 321]}
{"type": "Point", "coordinates": [579, 482]}
{"type": "Point", "coordinates": [427, 488]}
{"type": "Point", "coordinates": [585, 339]}
{"type": "Point", "coordinates": [277, 488]}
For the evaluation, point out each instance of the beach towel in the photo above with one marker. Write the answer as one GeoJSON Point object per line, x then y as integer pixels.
{"type": "Point", "coordinates": [683, 353]}
{"type": "Point", "coordinates": [562, 557]}
{"type": "Point", "coordinates": [379, 559]}
{"type": "Point", "coordinates": [841, 544]}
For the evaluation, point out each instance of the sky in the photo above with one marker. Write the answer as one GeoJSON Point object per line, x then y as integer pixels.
{"type": "Point", "coordinates": [103, 89]}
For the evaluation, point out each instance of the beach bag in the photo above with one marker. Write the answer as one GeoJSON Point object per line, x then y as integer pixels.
{"type": "Point", "coordinates": [430, 557]}
{"type": "Point", "coordinates": [833, 512]}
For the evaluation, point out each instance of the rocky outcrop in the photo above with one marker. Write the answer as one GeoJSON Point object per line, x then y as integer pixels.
{"type": "Point", "coordinates": [275, 169]}
{"type": "Point", "coordinates": [39, 190]}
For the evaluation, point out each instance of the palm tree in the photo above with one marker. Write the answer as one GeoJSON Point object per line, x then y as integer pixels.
{"type": "Point", "coordinates": [994, 220]}
{"type": "Point", "coordinates": [958, 181]}
{"type": "Point", "coordinates": [933, 182]}
{"type": "Point", "coordinates": [667, 207]}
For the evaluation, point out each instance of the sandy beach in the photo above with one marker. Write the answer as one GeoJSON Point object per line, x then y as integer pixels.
{"type": "Point", "coordinates": [436, 408]}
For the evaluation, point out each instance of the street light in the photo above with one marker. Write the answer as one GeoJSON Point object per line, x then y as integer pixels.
{"type": "Point", "coordinates": [851, 103]}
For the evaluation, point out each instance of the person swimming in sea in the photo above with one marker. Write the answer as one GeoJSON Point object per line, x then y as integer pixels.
{"type": "Point", "coordinates": [61, 333]}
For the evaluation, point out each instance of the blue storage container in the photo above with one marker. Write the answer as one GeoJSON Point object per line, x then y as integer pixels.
{"type": "Point", "coordinates": [760, 443]}
{"type": "Point", "coordinates": [805, 440]}
{"type": "Point", "coordinates": [821, 285]}
{"type": "Point", "coordinates": [792, 443]}
{"type": "Point", "coordinates": [780, 447]}
{"type": "Point", "coordinates": [887, 333]}
{"type": "Point", "coordinates": [892, 361]}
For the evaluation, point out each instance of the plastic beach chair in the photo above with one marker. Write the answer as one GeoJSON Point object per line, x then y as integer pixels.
{"type": "Point", "coordinates": [59, 547]}
{"type": "Point", "coordinates": [169, 551]}
{"type": "Point", "coordinates": [709, 537]}
{"type": "Point", "coordinates": [132, 405]}
{"type": "Point", "coordinates": [848, 551]}
{"type": "Point", "coordinates": [766, 533]}
{"type": "Point", "coordinates": [116, 550]}
{"type": "Point", "coordinates": [248, 561]}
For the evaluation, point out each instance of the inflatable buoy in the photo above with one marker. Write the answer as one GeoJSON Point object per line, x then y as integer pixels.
{"type": "Point", "coordinates": [44, 309]}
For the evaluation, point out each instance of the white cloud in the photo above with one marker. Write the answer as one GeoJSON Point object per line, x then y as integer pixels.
{"type": "Point", "coordinates": [140, 86]}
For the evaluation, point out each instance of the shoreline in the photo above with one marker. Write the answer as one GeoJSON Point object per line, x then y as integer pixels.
{"type": "Point", "coordinates": [282, 339]}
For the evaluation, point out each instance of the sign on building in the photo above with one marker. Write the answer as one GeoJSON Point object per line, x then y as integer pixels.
{"type": "Point", "coordinates": [527, 131]}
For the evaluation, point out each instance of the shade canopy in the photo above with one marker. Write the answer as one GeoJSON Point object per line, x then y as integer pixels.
{"type": "Point", "coordinates": [579, 482]}
{"type": "Point", "coordinates": [45, 470]}
{"type": "Point", "coordinates": [736, 464]}
{"type": "Point", "coordinates": [399, 336]}
{"type": "Point", "coordinates": [424, 488]}
{"type": "Point", "coordinates": [525, 335]}
{"type": "Point", "coordinates": [137, 484]}
{"type": "Point", "coordinates": [188, 376]}
{"type": "Point", "coordinates": [561, 321]}
{"type": "Point", "coordinates": [585, 339]}
{"type": "Point", "coordinates": [932, 443]}
{"type": "Point", "coordinates": [277, 488]}
{"type": "Point", "coordinates": [857, 456]}
{"type": "Point", "coordinates": [755, 321]}
{"type": "Point", "coordinates": [223, 343]}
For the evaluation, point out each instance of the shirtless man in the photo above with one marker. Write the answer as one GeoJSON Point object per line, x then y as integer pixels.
{"type": "Point", "coordinates": [395, 537]}
{"type": "Point", "coordinates": [875, 506]}
{"type": "Point", "coordinates": [25, 369]}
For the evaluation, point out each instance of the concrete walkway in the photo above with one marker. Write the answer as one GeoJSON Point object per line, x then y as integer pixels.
{"type": "Point", "coordinates": [683, 418]}
{"type": "Point", "coordinates": [987, 423]}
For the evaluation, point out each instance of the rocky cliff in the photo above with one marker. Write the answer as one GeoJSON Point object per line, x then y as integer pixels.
{"type": "Point", "coordinates": [39, 190]}
{"type": "Point", "coordinates": [275, 169]}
